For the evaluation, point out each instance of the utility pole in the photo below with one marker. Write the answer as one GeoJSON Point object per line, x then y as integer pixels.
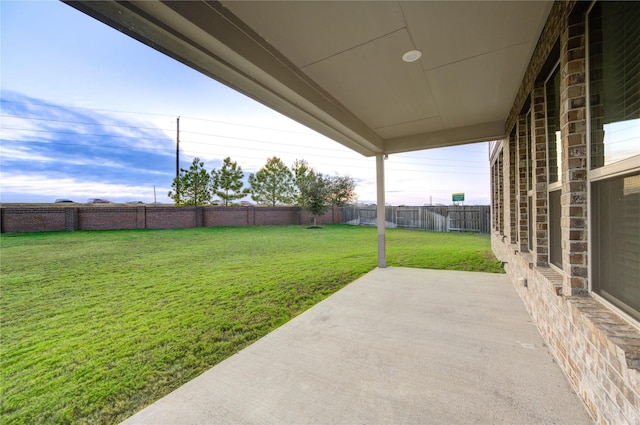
{"type": "Point", "coordinates": [178, 148]}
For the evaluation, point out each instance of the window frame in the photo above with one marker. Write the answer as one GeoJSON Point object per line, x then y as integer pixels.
{"type": "Point", "coordinates": [557, 185]}
{"type": "Point", "coordinates": [611, 301]}
{"type": "Point", "coordinates": [620, 168]}
{"type": "Point", "coordinates": [529, 159]}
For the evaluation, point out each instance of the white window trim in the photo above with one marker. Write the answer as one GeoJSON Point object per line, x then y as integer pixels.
{"type": "Point", "coordinates": [624, 166]}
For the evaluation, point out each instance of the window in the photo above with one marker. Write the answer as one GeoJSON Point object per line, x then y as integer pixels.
{"type": "Point", "coordinates": [524, 185]}
{"type": "Point", "coordinates": [529, 161]}
{"type": "Point", "coordinates": [501, 193]}
{"type": "Point", "coordinates": [495, 178]}
{"type": "Point", "coordinates": [554, 157]}
{"type": "Point", "coordinates": [616, 208]}
{"type": "Point", "coordinates": [500, 170]}
{"type": "Point", "coordinates": [554, 147]}
{"type": "Point", "coordinates": [513, 188]}
{"type": "Point", "coordinates": [494, 196]}
{"type": "Point", "coordinates": [614, 137]}
{"type": "Point", "coordinates": [530, 206]}
{"type": "Point", "coordinates": [614, 82]}
{"type": "Point", "coordinates": [555, 230]}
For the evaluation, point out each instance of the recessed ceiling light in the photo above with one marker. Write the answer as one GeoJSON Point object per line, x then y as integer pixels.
{"type": "Point", "coordinates": [412, 56]}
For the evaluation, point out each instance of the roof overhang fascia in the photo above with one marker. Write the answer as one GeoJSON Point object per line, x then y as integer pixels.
{"type": "Point", "coordinates": [207, 37]}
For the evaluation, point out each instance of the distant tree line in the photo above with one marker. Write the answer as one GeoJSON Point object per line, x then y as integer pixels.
{"type": "Point", "coordinates": [274, 184]}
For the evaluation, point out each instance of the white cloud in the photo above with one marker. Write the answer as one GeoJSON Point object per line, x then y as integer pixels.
{"type": "Point", "coordinates": [21, 153]}
{"type": "Point", "coordinates": [42, 60]}
{"type": "Point", "coordinates": [42, 186]}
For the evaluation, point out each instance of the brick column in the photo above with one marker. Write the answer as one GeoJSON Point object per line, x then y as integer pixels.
{"type": "Point", "coordinates": [521, 185]}
{"type": "Point", "coordinates": [70, 219]}
{"type": "Point", "coordinates": [511, 177]}
{"type": "Point", "coordinates": [540, 197]}
{"type": "Point", "coordinates": [141, 217]}
{"type": "Point", "coordinates": [199, 216]}
{"type": "Point", "coordinates": [574, 153]}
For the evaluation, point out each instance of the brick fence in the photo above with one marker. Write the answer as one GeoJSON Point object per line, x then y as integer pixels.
{"type": "Point", "coordinates": [47, 218]}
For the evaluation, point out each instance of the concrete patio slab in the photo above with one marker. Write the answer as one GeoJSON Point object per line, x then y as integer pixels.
{"type": "Point", "coordinates": [397, 346]}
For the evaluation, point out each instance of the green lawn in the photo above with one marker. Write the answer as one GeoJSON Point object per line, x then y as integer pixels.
{"type": "Point", "coordinates": [97, 325]}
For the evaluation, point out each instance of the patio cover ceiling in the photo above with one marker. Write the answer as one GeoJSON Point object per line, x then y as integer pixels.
{"type": "Point", "coordinates": [337, 67]}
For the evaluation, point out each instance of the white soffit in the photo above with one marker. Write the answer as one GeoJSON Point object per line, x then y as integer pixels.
{"type": "Point", "coordinates": [367, 79]}
{"type": "Point", "coordinates": [478, 89]}
{"type": "Point", "coordinates": [310, 31]}
{"type": "Point", "coordinates": [474, 55]}
{"type": "Point", "coordinates": [337, 66]}
{"type": "Point", "coordinates": [455, 31]}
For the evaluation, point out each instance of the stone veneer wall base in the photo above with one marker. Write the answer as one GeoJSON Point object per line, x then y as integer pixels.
{"type": "Point", "coordinates": [598, 350]}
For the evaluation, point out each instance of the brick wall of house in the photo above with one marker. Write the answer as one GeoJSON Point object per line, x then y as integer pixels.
{"type": "Point", "coordinates": [598, 349]}
{"type": "Point", "coordinates": [573, 124]}
{"type": "Point", "coordinates": [18, 218]}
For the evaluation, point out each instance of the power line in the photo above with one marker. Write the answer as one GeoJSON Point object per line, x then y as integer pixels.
{"type": "Point", "coordinates": [50, 105]}
{"type": "Point", "coordinates": [389, 167]}
{"type": "Point", "coordinates": [185, 131]}
{"type": "Point", "coordinates": [84, 134]}
{"type": "Point", "coordinates": [85, 145]}
{"type": "Point", "coordinates": [156, 114]}
{"type": "Point", "coordinates": [82, 123]}
{"type": "Point", "coordinates": [248, 157]}
{"type": "Point", "coordinates": [193, 142]}
{"type": "Point", "coordinates": [155, 128]}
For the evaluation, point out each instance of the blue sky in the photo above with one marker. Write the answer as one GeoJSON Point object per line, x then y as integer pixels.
{"type": "Point", "coordinates": [89, 112]}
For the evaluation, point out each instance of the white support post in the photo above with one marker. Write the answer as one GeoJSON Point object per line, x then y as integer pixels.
{"type": "Point", "coordinates": [380, 220]}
